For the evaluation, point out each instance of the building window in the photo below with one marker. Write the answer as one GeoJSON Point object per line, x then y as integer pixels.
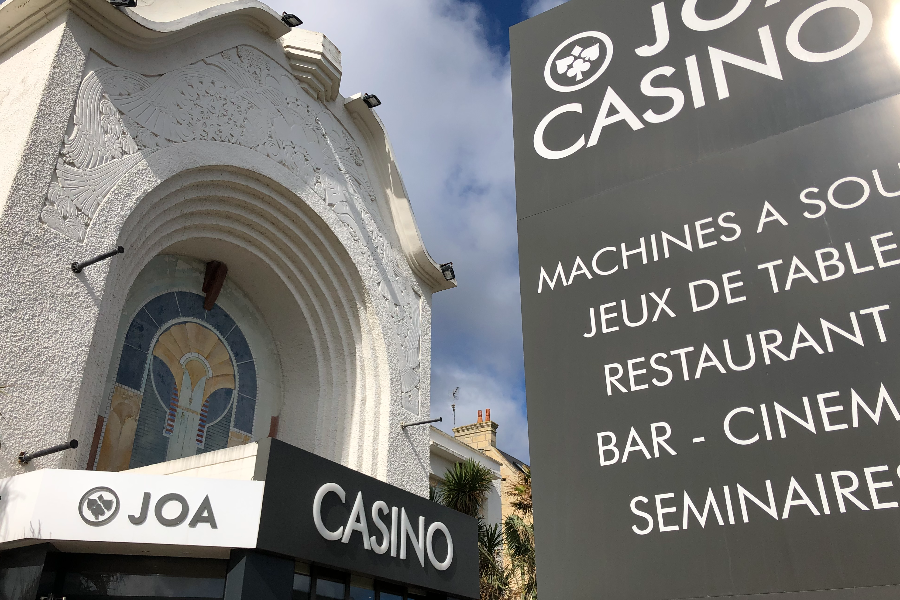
{"type": "Point", "coordinates": [302, 587]}
{"type": "Point", "coordinates": [358, 593]}
{"type": "Point", "coordinates": [330, 590]}
{"type": "Point", "coordinates": [361, 588]}
{"type": "Point", "coordinates": [390, 592]}
{"type": "Point", "coordinates": [318, 583]}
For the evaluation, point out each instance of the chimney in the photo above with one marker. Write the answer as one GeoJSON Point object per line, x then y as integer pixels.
{"type": "Point", "coordinates": [480, 435]}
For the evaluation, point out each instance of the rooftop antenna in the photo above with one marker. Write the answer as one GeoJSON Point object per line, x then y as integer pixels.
{"type": "Point", "coordinates": [453, 406]}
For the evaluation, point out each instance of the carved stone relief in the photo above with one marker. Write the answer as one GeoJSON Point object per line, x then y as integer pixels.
{"type": "Point", "coordinates": [406, 314]}
{"type": "Point", "coordinates": [240, 97]}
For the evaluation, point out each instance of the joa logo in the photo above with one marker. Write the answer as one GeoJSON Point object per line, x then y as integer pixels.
{"type": "Point", "coordinates": [100, 505]}
{"type": "Point", "coordinates": [578, 61]}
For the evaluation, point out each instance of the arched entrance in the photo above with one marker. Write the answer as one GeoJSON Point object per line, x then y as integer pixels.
{"type": "Point", "coordinates": [186, 379]}
{"type": "Point", "coordinates": [304, 303]}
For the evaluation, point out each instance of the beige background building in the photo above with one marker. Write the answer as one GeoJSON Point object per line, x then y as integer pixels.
{"type": "Point", "coordinates": [482, 435]}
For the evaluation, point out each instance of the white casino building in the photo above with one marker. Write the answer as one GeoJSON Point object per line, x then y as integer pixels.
{"type": "Point", "coordinates": [271, 308]}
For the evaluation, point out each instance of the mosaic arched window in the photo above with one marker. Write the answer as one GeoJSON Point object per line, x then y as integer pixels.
{"type": "Point", "coordinates": [186, 384]}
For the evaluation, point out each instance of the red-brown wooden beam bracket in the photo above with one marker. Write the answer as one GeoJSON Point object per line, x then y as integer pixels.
{"type": "Point", "coordinates": [213, 281]}
{"type": "Point", "coordinates": [95, 444]}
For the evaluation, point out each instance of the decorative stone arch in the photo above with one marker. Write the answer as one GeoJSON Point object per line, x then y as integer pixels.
{"type": "Point", "coordinates": [292, 265]}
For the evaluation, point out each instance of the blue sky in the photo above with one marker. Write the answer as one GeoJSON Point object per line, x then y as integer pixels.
{"type": "Point", "coordinates": [500, 15]}
{"type": "Point", "coordinates": [441, 69]}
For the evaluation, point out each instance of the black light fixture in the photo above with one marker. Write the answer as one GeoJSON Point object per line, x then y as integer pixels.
{"type": "Point", "coordinates": [78, 266]}
{"type": "Point", "coordinates": [123, 3]}
{"type": "Point", "coordinates": [291, 20]}
{"type": "Point", "coordinates": [447, 270]}
{"type": "Point", "coordinates": [25, 458]}
{"type": "Point", "coordinates": [371, 100]}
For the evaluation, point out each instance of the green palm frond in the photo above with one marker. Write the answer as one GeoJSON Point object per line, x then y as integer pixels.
{"type": "Point", "coordinates": [490, 539]}
{"type": "Point", "coordinates": [466, 486]}
{"type": "Point", "coordinates": [519, 536]}
{"type": "Point", "coordinates": [494, 574]}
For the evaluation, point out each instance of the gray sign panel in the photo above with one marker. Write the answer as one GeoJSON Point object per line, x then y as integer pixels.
{"type": "Point", "coordinates": [708, 197]}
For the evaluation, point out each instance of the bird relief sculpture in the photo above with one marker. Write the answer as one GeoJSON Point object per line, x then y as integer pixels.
{"type": "Point", "coordinates": [409, 327]}
{"type": "Point", "coordinates": [239, 97]}
{"type": "Point", "coordinates": [406, 318]}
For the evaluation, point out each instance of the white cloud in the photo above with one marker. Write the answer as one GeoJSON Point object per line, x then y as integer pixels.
{"type": "Point", "coordinates": [536, 7]}
{"type": "Point", "coordinates": [447, 108]}
{"type": "Point", "coordinates": [479, 392]}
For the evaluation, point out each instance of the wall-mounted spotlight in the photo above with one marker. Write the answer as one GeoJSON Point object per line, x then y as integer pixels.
{"type": "Point", "coordinates": [371, 100]}
{"type": "Point", "coordinates": [78, 266]}
{"type": "Point", "coordinates": [447, 270]}
{"type": "Point", "coordinates": [291, 20]}
{"type": "Point", "coordinates": [123, 3]}
{"type": "Point", "coordinates": [25, 458]}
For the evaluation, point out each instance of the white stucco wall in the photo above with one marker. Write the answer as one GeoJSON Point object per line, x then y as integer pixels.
{"type": "Point", "coordinates": [286, 187]}
{"type": "Point", "coordinates": [237, 463]}
{"type": "Point", "coordinates": [24, 70]}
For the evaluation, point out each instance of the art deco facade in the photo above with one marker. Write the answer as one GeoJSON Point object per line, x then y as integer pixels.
{"type": "Point", "coordinates": [273, 281]}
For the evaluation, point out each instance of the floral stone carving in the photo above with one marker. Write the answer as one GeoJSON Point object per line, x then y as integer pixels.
{"type": "Point", "coordinates": [238, 97]}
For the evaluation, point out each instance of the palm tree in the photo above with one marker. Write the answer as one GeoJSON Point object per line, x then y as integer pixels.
{"type": "Point", "coordinates": [465, 489]}
{"type": "Point", "coordinates": [519, 534]}
{"type": "Point", "coordinates": [495, 576]}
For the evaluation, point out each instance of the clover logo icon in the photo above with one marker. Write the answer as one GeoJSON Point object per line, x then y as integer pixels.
{"type": "Point", "coordinates": [98, 506]}
{"type": "Point", "coordinates": [576, 63]}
